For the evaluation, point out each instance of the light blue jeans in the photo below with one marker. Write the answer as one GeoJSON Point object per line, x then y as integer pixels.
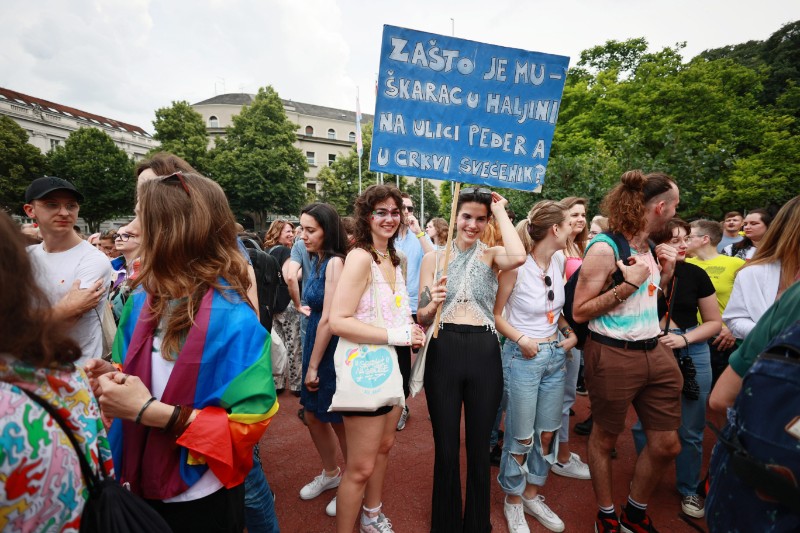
{"type": "Point", "coordinates": [535, 389]}
{"type": "Point", "coordinates": [693, 421]}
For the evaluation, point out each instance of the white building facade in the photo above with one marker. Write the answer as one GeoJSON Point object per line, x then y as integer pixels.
{"type": "Point", "coordinates": [323, 133]}
{"type": "Point", "coordinates": [49, 124]}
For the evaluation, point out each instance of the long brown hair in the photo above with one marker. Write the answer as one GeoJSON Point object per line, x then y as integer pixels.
{"type": "Point", "coordinates": [27, 329]}
{"type": "Point", "coordinates": [625, 204]}
{"type": "Point", "coordinates": [577, 245]}
{"type": "Point", "coordinates": [188, 246]}
{"type": "Point", "coordinates": [274, 232]}
{"type": "Point", "coordinates": [364, 205]}
{"type": "Point", "coordinates": [781, 243]}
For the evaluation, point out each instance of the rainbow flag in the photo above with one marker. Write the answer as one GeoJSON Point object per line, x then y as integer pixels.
{"type": "Point", "coordinates": [224, 370]}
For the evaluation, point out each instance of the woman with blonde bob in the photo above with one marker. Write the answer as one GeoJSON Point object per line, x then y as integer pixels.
{"type": "Point", "coordinates": [194, 393]}
{"type": "Point", "coordinates": [534, 361]}
{"type": "Point", "coordinates": [372, 269]}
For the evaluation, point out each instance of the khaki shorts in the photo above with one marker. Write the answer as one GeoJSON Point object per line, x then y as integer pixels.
{"type": "Point", "coordinates": [649, 379]}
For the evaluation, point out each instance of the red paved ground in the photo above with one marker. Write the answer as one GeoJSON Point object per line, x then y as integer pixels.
{"type": "Point", "coordinates": [291, 461]}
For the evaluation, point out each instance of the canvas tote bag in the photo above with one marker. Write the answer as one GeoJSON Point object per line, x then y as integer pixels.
{"type": "Point", "coordinates": [367, 375]}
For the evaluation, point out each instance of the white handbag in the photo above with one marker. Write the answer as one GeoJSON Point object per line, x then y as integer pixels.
{"type": "Point", "coordinates": [417, 378]}
{"type": "Point", "coordinates": [367, 375]}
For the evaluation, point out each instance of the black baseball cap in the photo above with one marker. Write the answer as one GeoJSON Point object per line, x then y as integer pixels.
{"type": "Point", "coordinates": [47, 184]}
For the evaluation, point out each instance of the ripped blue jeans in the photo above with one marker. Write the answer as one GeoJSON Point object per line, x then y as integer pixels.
{"type": "Point", "coordinates": [535, 389]}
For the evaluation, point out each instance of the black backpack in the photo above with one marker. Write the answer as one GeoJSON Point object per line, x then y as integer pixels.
{"type": "Point", "coordinates": [268, 278]}
{"type": "Point", "coordinates": [581, 329]}
{"type": "Point", "coordinates": [283, 298]}
{"type": "Point", "coordinates": [110, 506]}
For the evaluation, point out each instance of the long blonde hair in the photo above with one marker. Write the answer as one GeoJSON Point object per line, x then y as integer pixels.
{"type": "Point", "coordinates": [542, 216]}
{"type": "Point", "coordinates": [576, 246]}
{"type": "Point", "coordinates": [188, 246]}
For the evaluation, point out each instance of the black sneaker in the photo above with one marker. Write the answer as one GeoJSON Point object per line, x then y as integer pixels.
{"type": "Point", "coordinates": [585, 427]}
{"type": "Point", "coordinates": [645, 526]}
{"type": "Point", "coordinates": [606, 524]}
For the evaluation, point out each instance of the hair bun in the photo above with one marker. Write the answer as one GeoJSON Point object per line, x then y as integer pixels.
{"type": "Point", "coordinates": [634, 180]}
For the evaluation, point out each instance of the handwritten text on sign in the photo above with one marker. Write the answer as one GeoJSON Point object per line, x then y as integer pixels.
{"type": "Point", "coordinates": [458, 110]}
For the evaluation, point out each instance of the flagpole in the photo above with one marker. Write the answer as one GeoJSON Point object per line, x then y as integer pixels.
{"type": "Point", "coordinates": [359, 144]}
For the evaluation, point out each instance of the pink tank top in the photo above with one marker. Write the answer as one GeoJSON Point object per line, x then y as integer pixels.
{"type": "Point", "coordinates": [573, 263]}
{"type": "Point", "coordinates": [395, 307]}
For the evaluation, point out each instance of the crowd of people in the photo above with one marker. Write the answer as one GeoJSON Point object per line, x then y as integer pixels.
{"type": "Point", "coordinates": [152, 339]}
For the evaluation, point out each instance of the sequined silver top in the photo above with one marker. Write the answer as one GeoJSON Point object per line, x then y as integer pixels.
{"type": "Point", "coordinates": [471, 284]}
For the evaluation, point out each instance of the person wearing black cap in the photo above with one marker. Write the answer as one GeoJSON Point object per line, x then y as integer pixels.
{"type": "Point", "coordinates": [72, 272]}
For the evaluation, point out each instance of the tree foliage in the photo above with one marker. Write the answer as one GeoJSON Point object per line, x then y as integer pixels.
{"type": "Point", "coordinates": [704, 121]}
{"type": "Point", "coordinates": [20, 163]}
{"type": "Point", "coordinates": [257, 164]}
{"type": "Point", "coordinates": [181, 130]}
{"type": "Point", "coordinates": [339, 180]}
{"type": "Point", "coordinates": [432, 203]}
{"type": "Point", "coordinates": [100, 170]}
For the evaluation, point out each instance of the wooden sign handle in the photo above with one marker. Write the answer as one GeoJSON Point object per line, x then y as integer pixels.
{"type": "Point", "coordinates": [448, 247]}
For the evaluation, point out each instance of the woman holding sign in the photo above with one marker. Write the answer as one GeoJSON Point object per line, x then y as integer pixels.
{"type": "Point", "coordinates": [463, 365]}
{"type": "Point", "coordinates": [372, 306]}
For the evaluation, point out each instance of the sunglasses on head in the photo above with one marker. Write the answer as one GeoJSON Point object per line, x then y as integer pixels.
{"type": "Point", "coordinates": [177, 177]}
{"type": "Point", "coordinates": [480, 192]}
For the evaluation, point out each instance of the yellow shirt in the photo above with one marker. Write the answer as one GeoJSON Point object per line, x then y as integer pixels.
{"type": "Point", "coordinates": [722, 271]}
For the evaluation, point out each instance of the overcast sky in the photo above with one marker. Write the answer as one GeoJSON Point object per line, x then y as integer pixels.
{"type": "Point", "coordinates": [125, 58]}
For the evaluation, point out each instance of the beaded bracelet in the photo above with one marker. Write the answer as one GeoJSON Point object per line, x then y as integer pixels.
{"type": "Point", "coordinates": [620, 300]}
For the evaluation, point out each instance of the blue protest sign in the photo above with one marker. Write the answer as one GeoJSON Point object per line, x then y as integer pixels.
{"type": "Point", "coordinates": [459, 110]}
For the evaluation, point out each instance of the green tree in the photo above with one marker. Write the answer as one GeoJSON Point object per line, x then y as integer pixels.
{"type": "Point", "coordinates": [20, 163]}
{"type": "Point", "coordinates": [257, 163]}
{"type": "Point", "coordinates": [102, 172]}
{"type": "Point", "coordinates": [339, 181]}
{"type": "Point", "coordinates": [445, 199]}
{"type": "Point", "coordinates": [181, 130]}
{"type": "Point", "coordinates": [432, 203]}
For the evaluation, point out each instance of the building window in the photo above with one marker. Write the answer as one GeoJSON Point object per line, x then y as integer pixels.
{"type": "Point", "coordinates": [309, 130]}
{"type": "Point", "coordinates": [54, 143]}
{"type": "Point", "coordinates": [311, 157]}
{"type": "Point", "coordinates": [331, 159]}
{"type": "Point", "coordinates": [331, 134]}
{"type": "Point", "coordinates": [352, 137]}
{"type": "Point", "coordinates": [312, 187]}
{"type": "Point", "coordinates": [213, 122]}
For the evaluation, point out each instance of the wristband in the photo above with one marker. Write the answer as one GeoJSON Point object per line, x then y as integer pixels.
{"type": "Point", "coordinates": [145, 406]}
{"type": "Point", "coordinates": [632, 285]}
{"type": "Point", "coordinates": [519, 339]}
{"type": "Point", "coordinates": [420, 234]}
{"type": "Point", "coordinates": [400, 336]}
{"type": "Point", "coordinates": [172, 419]}
{"type": "Point", "coordinates": [620, 300]}
{"type": "Point", "coordinates": [684, 339]}
{"type": "Point", "coordinates": [566, 331]}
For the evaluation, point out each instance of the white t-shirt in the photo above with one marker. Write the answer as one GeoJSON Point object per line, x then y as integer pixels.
{"type": "Point", "coordinates": [56, 272]}
{"type": "Point", "coordinates": [528, 305]}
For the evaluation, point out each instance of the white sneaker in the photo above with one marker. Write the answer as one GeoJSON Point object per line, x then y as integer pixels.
{"type": "Point", "coordinates": [693, 505]}
{"type": "Point", "coordinates": [320, 484]}
{"type": "Point", "coordinates": [515, 516]}
{"type": "Point", "coordinates": [574, 468]}
{"type": "Point", "coordinates": [330, 509]}
{"type": "Point", "coordinates": [541, 512]}
{"type": "Point", "coordinates": [379, 524]}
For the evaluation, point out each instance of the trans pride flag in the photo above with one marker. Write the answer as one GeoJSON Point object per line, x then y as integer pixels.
{"type": "Point", "coordinates": [224, 370]}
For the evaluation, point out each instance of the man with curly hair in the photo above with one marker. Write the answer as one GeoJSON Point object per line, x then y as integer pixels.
{"type": "Point", "coordinates": [624, 360]}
